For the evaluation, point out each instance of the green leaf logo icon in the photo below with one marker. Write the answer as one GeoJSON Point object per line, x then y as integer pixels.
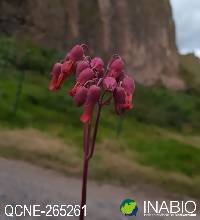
{"type": "Point", "coordinates": [129, 207]}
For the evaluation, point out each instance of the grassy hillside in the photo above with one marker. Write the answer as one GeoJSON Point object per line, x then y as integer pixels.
{"type": "Point", "coordinates": [190, 71]}
{"type": "Point", "coordinates": [159, 141]}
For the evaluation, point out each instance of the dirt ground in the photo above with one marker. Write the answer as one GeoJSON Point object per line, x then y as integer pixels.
{"type": "Point", "coordinates": [25, 184]}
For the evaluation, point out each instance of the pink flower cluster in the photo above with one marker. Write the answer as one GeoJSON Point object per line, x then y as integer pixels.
{"type": "Point", "coordinates": [94, 81]}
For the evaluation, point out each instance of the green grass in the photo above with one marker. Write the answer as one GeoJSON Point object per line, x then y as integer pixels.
{"type": "Point", "coordinates": [167, 108]}
{"type": "Point", "coordinates": [158, 134]}
{"type": "Point", "coordinates": [170, 155]}
{"type": "Point", "coordinates": [156, 148]}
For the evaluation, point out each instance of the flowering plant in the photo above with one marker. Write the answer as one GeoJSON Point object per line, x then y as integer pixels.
{"type": "Point", "coordinates": [95, 87]}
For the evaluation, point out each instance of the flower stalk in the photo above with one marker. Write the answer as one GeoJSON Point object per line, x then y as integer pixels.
{"type": "Point", "coordinates": [93, 83]}
{"type": "Point", "coordinates": [86, 143]}
{"type": "Point", "coordinates": [89, 146]}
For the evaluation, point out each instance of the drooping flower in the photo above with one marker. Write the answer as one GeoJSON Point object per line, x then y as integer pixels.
{"type": "Point", "coordinates": [55, 73]}
{"type": "Point", "coordinates": [129, 87]}
{"type": "Point", "coordinates": [66, 70]}
{"type": "Point", "coordinates": [67, 67]}
{"type": "Point", "coordinates": [93, 96]}
{"type": "Point", "coordinates": [85, 75]}
{"type": "Point", "coordinates": [97, 64]}
{"type": "Point", "coordinates": [119, 96]}
{"type": "Point", "coordinates": [72, 91]}
{"type": "Point", "coordinates": [80, 96]}
{"type": "Point", "coordinates": [91, 79]}
{"type": "Point", "coordinates": [128, 84]}
{"type": "Point", "coordinates": [81, 65]}
{"type": "Point", "coordinates": [75, 54]}
{"type": "Point", "coordinates": [116, 67]}
{"type": "Point", "coordinates": [129, 102]}
{"type": "Point", "coordinates": [109, 83]}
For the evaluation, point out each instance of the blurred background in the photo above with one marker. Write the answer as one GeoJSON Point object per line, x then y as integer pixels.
{"type": "Point", "coordinates": [152, 152]}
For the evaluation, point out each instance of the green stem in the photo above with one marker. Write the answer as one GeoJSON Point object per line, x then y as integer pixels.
{"type": "Point", "coordinates": [119, 126]}
{"type": "Point", "coordinates": [18, 93]}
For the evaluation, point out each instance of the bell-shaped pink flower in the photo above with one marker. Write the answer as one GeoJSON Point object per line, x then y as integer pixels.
{"type": "Point", "coordinates": [109, 83]}
{"type": "Point", "coordinates": [85, 75]}
{"type": "Point", "coordinates": [66, 70]}
{"type": "Point", "coordinates": [119, 96]}
{"type": "Point", "coordinates": [93, 96]}
{"type": "Point", "coordinates": [72, 91]}
{"type": "Point", "coordinates": [67, 67]}
{"type": "Point", "coordinates": [128, 102]}
{"type": "Point", "coordinates": [80, 96]}
{"type": "Point", "coordinates": [116, 67]}
{"type": "Point", "coordinates": [81, 65]}
{"type": "Point", "coordinates": [97, 64]}
{"type": "Point", "coordinates": [76, 53]}
{"type": "Point", "coordinates": [128, 84]}
{"type": "Point", "coordinates": [129, 87]}
{"type": "Point", "coordinates": [55, 73]}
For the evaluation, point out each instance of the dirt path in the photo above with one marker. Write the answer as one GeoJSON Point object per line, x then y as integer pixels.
{"type": "Point", "coordinates": [22, 183]}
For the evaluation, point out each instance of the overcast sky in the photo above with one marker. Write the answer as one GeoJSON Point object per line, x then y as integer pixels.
{"type": "Point", "coordinates": [187, 19]}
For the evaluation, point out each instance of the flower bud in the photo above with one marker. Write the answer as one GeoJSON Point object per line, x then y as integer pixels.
{"type": "Point", "coordinates": [116, 67]}
{"type": "Point", "coordinates": [56, 71]}
{"type": "Point", "coordinates": [117, 64]}
{"type": "Point", "coordinates": [81, 66]}
{"type": "Point", "coordinates": [123, 101]}
{"type": "Point", "coordinates": [109, 83]}
{"type": "Point", "coordinates": [76, 53]}
{"type": "Point", "coordinates": [128, 102]}
{"type": "Point", "coordinates": [94, 93]}
{"type": "Point", "coordinates": [66, 70]}
{"type": "Point", "coordinates": [128, 84]}
{"type": "Point", "coordinates": [93, 96]}
{"type": "Point", "coordinates": [80, 96]}
{"type": "Point", "coordinates": [97, 64]}
{"type": "Point", "coordinates": [85, 75]}
{"type": "Point", "coordinates": [72, 91]}
{"type": "Point", "coordinates": [119, 96]}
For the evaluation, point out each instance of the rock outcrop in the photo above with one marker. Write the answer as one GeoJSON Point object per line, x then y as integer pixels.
{"type": "Point", "coordinates": [142, 31]}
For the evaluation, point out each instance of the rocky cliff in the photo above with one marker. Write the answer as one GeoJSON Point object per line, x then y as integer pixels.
{"type": "Point", "coordinates": [142, 31]}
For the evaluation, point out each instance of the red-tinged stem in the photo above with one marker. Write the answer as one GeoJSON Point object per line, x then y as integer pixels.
{"type": "Point", "coordinates": [86, 136]}
{"type": "Point", "coordinates": [88, 152]}
{"type": "Point", "coordinates": [95, 132]}
{"type": "Point", "coordinates": [84, 188]}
